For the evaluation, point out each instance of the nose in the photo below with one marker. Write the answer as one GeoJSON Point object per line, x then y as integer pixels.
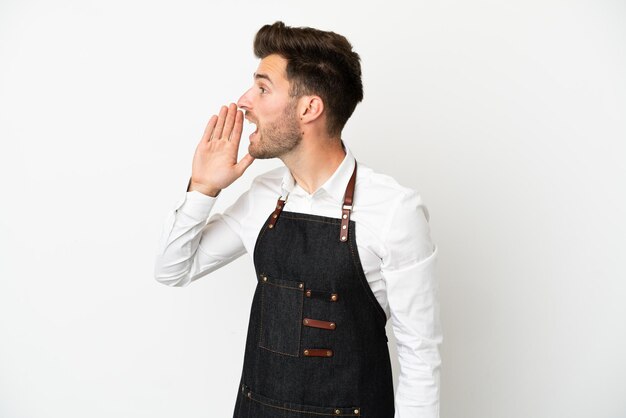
{"type": "Point", "coordinates": [245, 101]}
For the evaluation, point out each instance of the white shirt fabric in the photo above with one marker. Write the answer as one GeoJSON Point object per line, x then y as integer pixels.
{"type": "Point", "coordinates": [393, 240]}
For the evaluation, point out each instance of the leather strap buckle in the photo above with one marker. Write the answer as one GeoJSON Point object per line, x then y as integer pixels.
{"type": "Point", "coordinates": [346, 208]}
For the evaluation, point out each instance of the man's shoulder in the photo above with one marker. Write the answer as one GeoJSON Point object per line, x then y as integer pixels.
{"type": "Point", "coordinates": [377, 192]}
{"type": "Point", "coordinates": [384, 185]}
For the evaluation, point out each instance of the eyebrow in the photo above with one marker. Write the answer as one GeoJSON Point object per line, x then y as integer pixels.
{"type": "Point", "coordinates": [263, 76]}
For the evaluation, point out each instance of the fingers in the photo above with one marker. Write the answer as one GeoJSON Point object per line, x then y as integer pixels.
{"type": "Point", "coordinates": [229, 118]}
{"type": "Point", "coordinates": [235, 135]}
{"type": "Point", "coordinates": [230, 121]}
{"type": "Point", "coordinates": [217, 133]}
{"type": "Point", "coordinates": [208, 131]}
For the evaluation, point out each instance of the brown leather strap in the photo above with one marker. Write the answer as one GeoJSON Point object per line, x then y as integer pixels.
{"type": "Point", "coordinates": [347, 207]}
{"type": "Point", "coordinates": [316, 323]}
{"type": "Point", "coordinates": [279, 208]}
{"type": "Point", "coordinates": [317, 352]}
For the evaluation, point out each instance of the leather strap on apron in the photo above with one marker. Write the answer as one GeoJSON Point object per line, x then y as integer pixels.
{"type": "Point", "coordinates": [346, 208]}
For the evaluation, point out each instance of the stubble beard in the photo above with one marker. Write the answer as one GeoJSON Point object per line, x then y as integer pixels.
{"type": "Point", "coordinates": [278, 138]}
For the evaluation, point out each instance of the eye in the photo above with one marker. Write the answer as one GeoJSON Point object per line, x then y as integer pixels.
{"type": "Point", "coordinates": [262, 89]}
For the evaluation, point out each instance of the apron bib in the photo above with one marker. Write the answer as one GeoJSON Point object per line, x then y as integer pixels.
{"type": "Point", "coordinates": [316, 343]}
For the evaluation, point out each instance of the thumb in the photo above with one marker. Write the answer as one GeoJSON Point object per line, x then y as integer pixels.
{"type": "Point", "coordinates": [244, 163]}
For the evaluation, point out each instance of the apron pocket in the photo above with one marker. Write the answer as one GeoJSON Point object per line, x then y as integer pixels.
{"type": "Point", "coordinates": [264, 407]}
{"type": "Point", "coordinates": [281, 315]}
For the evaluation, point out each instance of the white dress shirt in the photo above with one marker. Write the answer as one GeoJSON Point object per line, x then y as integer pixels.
{"type": "Point", "coordinates": [393, 240]}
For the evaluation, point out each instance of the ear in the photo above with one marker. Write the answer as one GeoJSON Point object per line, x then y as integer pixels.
{"type": "Point", "coordinates": [310, 108]}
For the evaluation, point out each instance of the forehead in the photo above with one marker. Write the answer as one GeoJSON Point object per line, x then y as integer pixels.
{"type": "Point", "coordinates": [275, 67]}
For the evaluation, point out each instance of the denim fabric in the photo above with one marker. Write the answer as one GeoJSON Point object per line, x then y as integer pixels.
{"type": "Point", "coordinates": [303, 252]}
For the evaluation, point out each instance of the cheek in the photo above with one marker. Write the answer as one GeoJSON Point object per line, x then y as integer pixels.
{"type": "Point", "coordinates": [269, 118]}
{"type": "Point", "coordinates": [276, 106]}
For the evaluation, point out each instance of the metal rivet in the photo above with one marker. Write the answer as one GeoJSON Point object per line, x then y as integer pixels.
{"type": "Point", "coordinates": [356, 411]}
{"type": "Point", "coordinates": [343, 238]}
{"type": "Point", "coordinates": [345, 216]}
{"type": "Point", "coordinates": [306, 352]}
{"type": "Point", "coordinates": [271, 226]}
{"type": "Point", "coordinates": [344, 227]}
{"type": "Point", "coordinates": [306, 321]}
{"type": "Point", "coordinates": [279, 207]}
{"type": "Point", "coordinates": [332, 325]}
{"type": "Point", "coordinates": [249, 394]}
{"type": "Point", "coordinates": [337, 411]}
{"type": "Point", "coordinates": [275, 216]}
{"type": "Point", "coordinates": [329, 353]}
{"type": "Point", "coordinates": [333, 297]}
{"type": "Point", "coordinates": [264, 278]}
{"type": "Point", "coordinates": [308, 293]}
{"type": "Point", "coordinates": [300, 285]}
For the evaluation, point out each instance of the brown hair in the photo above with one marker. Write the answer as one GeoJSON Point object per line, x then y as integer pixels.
{"type": "Point", "coordinates": [318, 62]}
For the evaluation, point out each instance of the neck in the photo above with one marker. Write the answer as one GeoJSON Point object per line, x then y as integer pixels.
{"type": "Point", "coordinates": [314, 161]}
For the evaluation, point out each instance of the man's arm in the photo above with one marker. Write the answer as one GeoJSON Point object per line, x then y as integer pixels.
{"type": "Point", "coordinates": [190, 247]}
{"type": "Point", "coordinates": [409, 271]}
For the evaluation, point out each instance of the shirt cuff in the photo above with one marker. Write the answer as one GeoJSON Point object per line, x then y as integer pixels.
{"type": "Point", "coordinates": [405, 409]}
{"type": "Point", "coordinates": [196, 205]}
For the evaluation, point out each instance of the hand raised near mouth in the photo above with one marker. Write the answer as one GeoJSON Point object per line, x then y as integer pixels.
{"type": "Point", "coordinates": [215, 165]}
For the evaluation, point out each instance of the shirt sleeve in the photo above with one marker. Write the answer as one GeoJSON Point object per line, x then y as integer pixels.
{"type": "Point", "coordinates": [190, 247]}
{"type": "Point", "coordinates": [408, 267]}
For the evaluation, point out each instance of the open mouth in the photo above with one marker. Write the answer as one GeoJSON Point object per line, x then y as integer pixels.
{"type": "Point", "coordinates": [256, 128]}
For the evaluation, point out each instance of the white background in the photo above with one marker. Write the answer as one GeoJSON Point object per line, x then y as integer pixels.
{"type": "Point", "coordinates": [508, 117]}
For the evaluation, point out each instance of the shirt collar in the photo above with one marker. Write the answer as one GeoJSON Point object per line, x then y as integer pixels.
{"type": "Point", "coordinates": [336, 184]}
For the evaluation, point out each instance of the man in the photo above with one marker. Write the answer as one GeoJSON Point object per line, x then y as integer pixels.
{"type": "Point", "coordinates": [338, 248]}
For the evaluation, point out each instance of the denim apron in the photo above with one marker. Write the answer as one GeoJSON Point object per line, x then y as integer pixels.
{"type": "Point", "coordinates": [316, 343]}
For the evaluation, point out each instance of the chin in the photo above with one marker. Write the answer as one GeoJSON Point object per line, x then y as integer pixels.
{"type": "Point", "coordinates": [255, 153]}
